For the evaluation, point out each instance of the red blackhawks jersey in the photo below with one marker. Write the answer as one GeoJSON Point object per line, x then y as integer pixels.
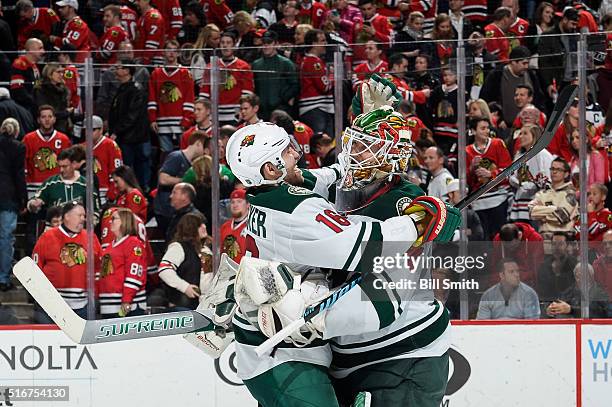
{"type": "Point", "coordinates": [383, 34]}
{"type": "Point", "coordinates": [496, 42]}
{"type": "Point", "coordinates": [107, 158]}
{"type": "Point", "coordinates": [475, 10]}
{"type": "Point", "coordinates": [129, 22]}
{"type": "Point", "coordinates": [173, 16]}
{"type": "Point", "coordinates": [217, 12]}
{"type": "Point", "coordinates": [171, 99]}
{"type": "Point", "coordinates": [233, 239]}
{"type": "Point", "coordinates": [72, 80]}
{"type": "Point", "coordinates": [109, 43]}
{"type": "Point", "coordinates": [62, 256]}
{"type": "Point", "coordinates": [150, 36]}
{"type": "Point", "coordinates": [415, 96]}
{"type": "Point", "coordinates": [312, 13]}
{"type": "Point", "coordinates": [42, 22]}
{"type": "Point", "coordinates": [517, 32]}
{"type": "Point", "coordinates": [76, 33]}
{"type": "Point", "coordinates": [123, 275]}
{"type": "Point", "coordinates": [184, 143]}
{"type": "Point", "coordinates": [134, 201]}
{"type": "Point", "coordinates": [316, 85]}
{"type": "Point", "coordinates": [24, 75]}
{"type": "Point", "coordinates": [495, 157]}
{"type": "Point", "coordinates": [429, 8]}
{"type": "Point", "coordinates": [363, 71]}
{"type": "Point", "coordinates": [302, 134]}
{"type": "Point", "coordinates": [236, 80]}
{"type": "Point", "coordinates": [41, 156]}
{"type": "Point", "coordinates": [599, 222]}
{"type": "Point", "coordinates": [416, 126]}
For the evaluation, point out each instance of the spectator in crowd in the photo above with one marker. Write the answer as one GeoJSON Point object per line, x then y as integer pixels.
{"type": "Point", "coordinates": [276, 81]}
{"type": "Point", "coordinates": [531, 177]}
{"type": "Point", "coordinates": [311, 12]}
{"type": "Point", "coordinates": [597, 163]}
{"type": "Point", "coordinates": [375, 27]}
{"type": "Point", "coordinates": [497, 41]}
{"type": "Point", "coordinates": [203, 122]}
{"type": "Point", "coordinates": [53, 218]}
{"type": "Point", "coordinates": [316, 95]}
{"type": "Point", "coordinates": [599, 217]}
{"type": "Point", "coordinates": [346, 17]}
{"type": "Point", "coordinates": [238, 80]}
{"type": "Point", "coordinates": [443, 102]}
{"type": "Point", "coordinates": [171, 97]}
{"type": "Point", "coordinates": [76, 31]}
{"type": "Point", "coordinates": [519, 26]}
{"type": "Point", "coordinates": [171, 173]}
{"type": "Point", "coordinates": [25, 74]}
{"type": "Point", "coordinates": [324, 147]}
{"type": "Point", "coordinates": [406, 41]}
{"type": "Point", "coordinates": [373, 64]}
{"type": "Point", "coordinates": [186, 267]}
{"type": "Point", "coordinates": [522, 243]}
{"type": "Point", "coordinates": [107, 156]}
{"type": "Point", "coordinates": [42, 149]}
{"type": "Point", "coordinates": [10, 109]}
{"type": "Point", "coordinates": [396, 73]}
{"type": "Point", "coordinates": [555, 208]}
{"type": "Point", "coordinates": [34, 22]}
{"type": "Point", "coordinates": [440, 176]}
{"type": "Point", "coordinates": [416, 125]}
{"type": "Point", "coordinates": [14, 195]}
{"type": "Point", "coordinates": [483, 64]}
{"type": "Point", "coordinates": [543, 21]}
{"type": "Point", "coordinates": [182, 200]}
{"type": "Point", "coordinates": [557, 53]}
{"type": "Point", "coordinates": [128, 122]}
{"type": "Point", "coordinates": [233, 233]}
{"type": "Point", "coordinates": [285, 27]}
{"type": "Point", "coordinates": [72, 80]}
{"type": "Point", "coordinates": [110, 84]}
{"type": "Point", "coordinates": [500, 84]}
{"type": "Point", "coordinates": [603, 264]}
{"type": "Point", "coordinates": [129, 193]}
{"type": "Point", "coordinates": [568, 306]}
{"type": "Point", "coordinates": [218, 13]}
{"type": "Point", "coordinates": [557, 272]}
{"type": "Point", "coordinates": [263, 12]}
{"type": "Point", "coordinates": [296, 54]}
{"type": "Point", "coordinates": [61, 253]}
{"type": "Point", "coordinates": [442, 33]}
{"type": "Point", "coordinates": [52, 91]}
{"type": "Point", "coordinates": [474, 231]}
{"type": "Point", "coordinates": [114, 35]}
{"type": "Point", "coordinates": [510, 298]}
{"type": "Point", "coordinates": [207, 42]}
{"type": "Point", "coordinates": [560, 145]}
{"type": "Point", "coordinates": [529, 114]}
{"type": "Point", "coordinates": [249, 107]}
{"type": "Point", "coordinates": [480, 108]}
{"type": "Point", "coordinates": [151, 33]}
{"type": "Point", "coordinates": [67, 186]}
{"type": "Point", "coordinates": [462, 26]}
{"type": "Point", "coordinates": [486, 157]}
{"type": "Point", "coordinates": [123, 270]}
{"type": "Point", "coordinates": [194, 21]}
{"type": "Point", "coordinates": [172, 13]}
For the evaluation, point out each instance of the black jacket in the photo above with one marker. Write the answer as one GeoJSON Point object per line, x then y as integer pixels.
{"type": "Point", "coordinates": [177, 218]}
{"type": "Point", "coordinates": [127, 117]}
{"type": "Point", "coordinates": [57, 96]}
{"type": "Point", "coordinates": [12, 174]}
{"type": "Point", "coordinates": [552, 57]}
{"type": "Point", "coordinates": [9, 108]}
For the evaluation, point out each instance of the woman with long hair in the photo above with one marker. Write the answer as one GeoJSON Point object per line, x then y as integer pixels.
{"type": "Point", "coordinates": [443, 36]}
{"type": "Point", "coordinates": [597, 165]}
{"type": "Point", "coordinates": [123, 273]}
{"type": "Point", "coordinates": [52, 91]}
{"type": "Point", "coordinates": [531, 177]}
{"type": "Point", "coordinates": [129, 192]}
{"type": "Point", "coordinates": [204, 47]}
{"type": "Point", "coordinates": [544, 20]}
{"type": "Point", "coordinates": [186, 267]}
{"type": "Point", "coordinates": [480, 108]}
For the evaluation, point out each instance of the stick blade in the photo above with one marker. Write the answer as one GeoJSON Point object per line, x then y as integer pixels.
{"type": "Point", "coordinates": [38, 285]}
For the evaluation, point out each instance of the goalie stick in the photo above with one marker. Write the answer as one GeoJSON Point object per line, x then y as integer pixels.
{"type": "Point", "coordinates": [563, 103]}
{"type": "Point", "coordinates": [84, 331]}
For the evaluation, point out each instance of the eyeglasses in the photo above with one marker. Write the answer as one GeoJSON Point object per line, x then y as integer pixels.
{"type": "Point", "coordinates": [553, 169]}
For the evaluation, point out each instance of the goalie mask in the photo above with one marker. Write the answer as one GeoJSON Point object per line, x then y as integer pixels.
{"type": "Point", "coordinates": [376, 145]}
{"type": "Point", "coordinates": [252, 146]}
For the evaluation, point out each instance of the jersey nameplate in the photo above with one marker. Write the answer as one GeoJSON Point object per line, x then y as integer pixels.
{"type": "Point", "coordinates": [257, 219]}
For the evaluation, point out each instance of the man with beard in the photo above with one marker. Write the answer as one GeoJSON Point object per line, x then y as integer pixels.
{"type": "Point", "coordinates": [233, 233]}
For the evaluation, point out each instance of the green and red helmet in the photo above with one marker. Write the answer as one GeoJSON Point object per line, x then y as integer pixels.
{"type": "Point", "coordinates": [377, 144]}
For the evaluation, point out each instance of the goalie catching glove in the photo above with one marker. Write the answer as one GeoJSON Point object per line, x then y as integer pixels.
{"type": "Point", "coordinates": [374, 93]}
{"type": "Point", "coordinates": [272, 296]}
{"type": "Point", "coordinates": [436, 220]}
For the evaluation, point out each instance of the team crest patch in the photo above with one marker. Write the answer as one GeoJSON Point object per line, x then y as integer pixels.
{"type": "Point", "coordinates": [218, 2]}
{"type": "Point", "coordinates": [449, 180]}
{"type": "Point", "coordinates": [107, 214]}
{"type": "Point", "coordinates": [248, 140]}
{"type": "Point", "coordinates": [412, 122]}
{"type": "Point", "coordinates": [137, 251]}
{"type": "Point", "coordinates": [73, 254]}
{"type": "Point", "coordinates": [114, 33]}
{"type": "Point", "coordinates": [45, 159]}
{"type": "Point", "coordinates": [317, 66]}
{"type": "Point", "coordinates": [489, 34]}
{"type": "Point", "coordinates": [68, 74]}
{"type": "Point", "coordinates": [402, 204]}
{"type": "Point", "coordinates": [137, 199]}
{"type": "Point", "coordinates": [107, 266]}
{"type": "Point", "coordinates": [299, 128]}
{"type": "Point", "coordinates": [170, 93]}
{"type": "Point", "coordinates": [293, 190]}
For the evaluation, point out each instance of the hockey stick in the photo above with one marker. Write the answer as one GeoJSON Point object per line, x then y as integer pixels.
{"type": "Point", "coordinates": [563, 103]}
{"type": "Point", "coordinates": [105, 330]}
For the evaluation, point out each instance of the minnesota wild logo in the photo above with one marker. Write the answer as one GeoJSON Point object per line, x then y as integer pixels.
{"type": "Point", "coordinates": [45, 159]}
{"type": "Point", "coordinates": [248, 140]}
{"type": "Point", "coordinates": [170, 93]}
{"type": "Point", "coordinates": [73, 254]}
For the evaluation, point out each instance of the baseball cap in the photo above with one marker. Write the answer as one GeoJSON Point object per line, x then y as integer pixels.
{"type": "Point", "coordinates": [71, 3]}
{"type": "Point", "coordinates": [269, 37]}
{"type": "Point", "coordinates": [238, 194]}
{"type": "Point", "coordinates": [452, 186]}
{"type": "Point", "coordinates": [96, 122]}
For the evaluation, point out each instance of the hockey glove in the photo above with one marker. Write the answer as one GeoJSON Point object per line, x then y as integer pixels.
{"type": "Point", "coordinates": [437, 219]}
{"type": "Point", "coordinates": [374, 93]}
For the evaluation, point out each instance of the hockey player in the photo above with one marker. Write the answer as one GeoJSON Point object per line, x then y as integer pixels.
{"type": "Point", "coordinates": [150, 34]}
{"type": "Point", "coordinates": [171, 97]}
{"type": "Point", "coordinates": [76, 31]}
{"type": "Point", "coordinates": [42, 148]}
{"type": "Point", "coordinates": [114, 34]}
{"type": "Point", "coordinates": [123, 269]}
